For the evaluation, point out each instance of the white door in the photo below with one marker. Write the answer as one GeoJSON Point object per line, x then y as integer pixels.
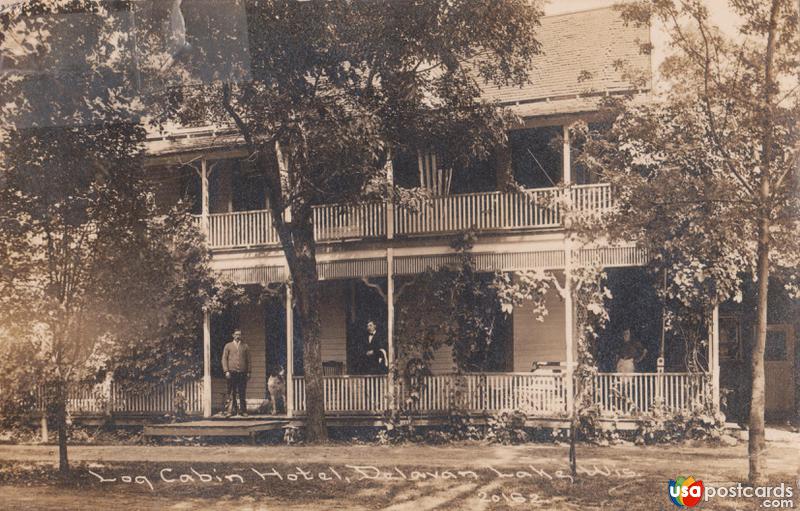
{"type": "Point", "coordinates": [779, 369]}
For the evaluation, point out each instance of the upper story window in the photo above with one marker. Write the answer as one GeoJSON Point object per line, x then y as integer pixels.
{"type": "Point", "coordinates": [580, 174]}
{"type": "Point", "coordinates": [536, 156]}
{"type": "Point", "coordinates": [427, 170]}
{"type": "Point", "coordinates": [233, 185]}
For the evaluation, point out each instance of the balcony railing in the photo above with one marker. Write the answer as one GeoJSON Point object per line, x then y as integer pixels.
{"type": "Point", "coordinates": [484, 211]}
{"type": "Point", "coordinates": [488, 211]}
{"type": "Point", "coordinates": [241, 229]}
{"type": "Point", "coordinates": [334, 222]}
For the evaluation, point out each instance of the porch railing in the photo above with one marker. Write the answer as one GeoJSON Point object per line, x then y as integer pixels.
{"type": "Point", "coordinates": [241, 229]}
{"type": "Point", "coordinates": [346, 393]}
{"type": "Point", "coordinates": [113, 397]}
{"type": "Point", "coordinates": [484, 211]}
{"type": "Point", "coordinates": [628, 394]}
{"type": "Point", "coordinates": [537, 395]}
{"type": "Point", "coordinates": [335, 222]}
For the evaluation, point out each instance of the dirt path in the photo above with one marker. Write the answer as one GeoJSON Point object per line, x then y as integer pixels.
{"type": "Point", "coordinates": [621, 477]}
{"type": "Point", "coordinates": [729, 463]}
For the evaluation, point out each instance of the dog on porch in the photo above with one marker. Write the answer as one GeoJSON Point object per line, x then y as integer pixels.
{"type": "Point", "coordinates": [276, 386]}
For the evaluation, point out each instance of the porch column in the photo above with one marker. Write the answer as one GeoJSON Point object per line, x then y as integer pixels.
{"type": "Point", "coordinates": [569, 338]}
{"type": "Point", "coordinates": [289, 352]}
{"type": "Point", "coordinates": [568, 305]}
{"type": "Point", "coordinates": [390, 325]}
{"type": "Point", "coordinates": [390, 203]}
{"type": "Point", "coordinates": [206, 364]}
{"type": "Point", "coordinates": [565, 157]}
{"type": "Point", "coordinates": [713, 359]}
{"type": "Point", "coordinates": [204, 196]}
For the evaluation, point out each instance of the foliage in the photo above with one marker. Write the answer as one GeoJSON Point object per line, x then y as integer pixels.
{"type": "Point", "coordinates": [507, 427]}
{"type": "Point", "coordinates": [659, 426]}
{"type": "Point", "coordinates": [707, 175]}
{"type": "Point", "coordinates": [92, 277]}
{"type": "Point", "coordinates": [338, 87]}
{"type": "Point", "coordinates": [453, 306]}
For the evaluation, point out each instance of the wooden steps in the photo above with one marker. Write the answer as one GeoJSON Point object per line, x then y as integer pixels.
{"type": "Point", "coordinates": [234, 427]}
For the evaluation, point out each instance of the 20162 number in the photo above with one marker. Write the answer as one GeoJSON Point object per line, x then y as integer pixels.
{"type": "Point", "coordinates": [510, 498]}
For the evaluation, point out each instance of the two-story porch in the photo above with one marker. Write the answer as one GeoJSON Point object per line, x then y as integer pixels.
{"type": "Point", "coordinates": [366, 252]}
{"type": "Point", "coordinates": [382, 244]}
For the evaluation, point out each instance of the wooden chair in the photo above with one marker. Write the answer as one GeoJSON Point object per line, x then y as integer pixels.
{"type": "Point", "coordinates": [332, 368]}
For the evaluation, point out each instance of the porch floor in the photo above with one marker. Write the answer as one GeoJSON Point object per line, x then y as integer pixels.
{"type": "Point", "coordinates": [238, 426]}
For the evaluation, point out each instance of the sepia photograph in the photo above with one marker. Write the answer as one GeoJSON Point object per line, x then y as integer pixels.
{"type": "Point", "coordinates": [399, 255]}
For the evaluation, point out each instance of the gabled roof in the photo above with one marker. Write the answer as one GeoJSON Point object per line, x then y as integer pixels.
{"type": "Point", "coordinates": [581, 51]}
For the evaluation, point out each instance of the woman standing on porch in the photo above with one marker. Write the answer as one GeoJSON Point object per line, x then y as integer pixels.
{"type": "Point", "coordinates": [631, 353]}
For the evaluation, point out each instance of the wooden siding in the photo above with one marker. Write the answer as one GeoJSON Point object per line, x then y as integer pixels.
{"type": "Point", "coordinates": [333, 321]}
{"type": "Point", "coordinates": [251, 323]}
{"type": "Point", "coordinates": [536, 341]}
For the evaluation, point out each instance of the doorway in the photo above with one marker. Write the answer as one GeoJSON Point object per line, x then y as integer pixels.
{"type": "Point", "coordinates": [779, 370]}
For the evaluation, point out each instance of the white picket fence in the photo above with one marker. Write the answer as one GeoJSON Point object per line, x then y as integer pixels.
{"type": "Point", "coordinates": [628, 394]}
{"type": "Point", "coordinates": [114, 398]}
{"type": "Point", "coordinates": [538, 395]}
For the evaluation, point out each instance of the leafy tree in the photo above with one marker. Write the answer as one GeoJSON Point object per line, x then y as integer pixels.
{"type": "Point", "coordinates": [91, 277]}
{"type": "Point", "coordinates": [339, 86]}
{"type": "Point", "coordinates": [706, 176]}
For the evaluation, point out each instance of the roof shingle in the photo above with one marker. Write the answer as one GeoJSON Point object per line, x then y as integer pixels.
{"type": "Point", "coordinates": [580, 55]}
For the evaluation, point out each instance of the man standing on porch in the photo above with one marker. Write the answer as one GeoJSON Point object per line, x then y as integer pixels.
{"type": "Point", "coordinates": [374, 355]}
{"type": "Point", "coordinates": [236, 365]}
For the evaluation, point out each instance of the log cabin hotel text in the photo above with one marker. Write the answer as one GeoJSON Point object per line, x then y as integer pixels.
{"type": "Point", "coordinates": [348, 474]}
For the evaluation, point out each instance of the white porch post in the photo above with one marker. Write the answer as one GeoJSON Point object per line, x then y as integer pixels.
{"type": "Point", "coordinates": [206, 364]}
{"type": "Point", "coordinates": [43, 428]}
{"type": "Point", "coordinates": [390, 325]}
{"type": "Point", "coordinates": [569, 336]}
{"type": "Point", "coordinates": [289, 352]}
{"type": "Point", "coordinates": [204, 197]}
{"type": "Point", "coordinates": [713, 359]}
{"type": "Point", "coordinates": [390, 203]}
{"type": "Point", "coordinates": [565, 156]}
{"type": "Point", "coordinates": [568, 306]}
{"type": "Point", "coordinates": [206, 316]}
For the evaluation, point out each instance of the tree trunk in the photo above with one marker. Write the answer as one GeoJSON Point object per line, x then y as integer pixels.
{"type": "Point", "coordinates": [573, 454]}
{"type": "Point", "coordinates": [61, 422]}
{"type": "Point", "coordinates": [756, 436]}
{"type": "Point", "coordinates": [306, 289]}
{"type": "Point", "coordinates": [299, 247]}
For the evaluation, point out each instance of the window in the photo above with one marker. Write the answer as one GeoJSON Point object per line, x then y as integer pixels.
{"type": "Point", "coordinates": [536, 157]}
{"type": "Point", "coordinates": [580, 174]}
{"type": "Point", "coordinates": [729, 338]}
{"type": "Point", "coordinates": [249, 187]}
{"type": "Point", "coordinates": [777, 341]}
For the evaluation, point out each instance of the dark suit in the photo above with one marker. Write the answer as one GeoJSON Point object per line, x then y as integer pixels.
{"type": "Point", "coordinates": [375, 362]}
